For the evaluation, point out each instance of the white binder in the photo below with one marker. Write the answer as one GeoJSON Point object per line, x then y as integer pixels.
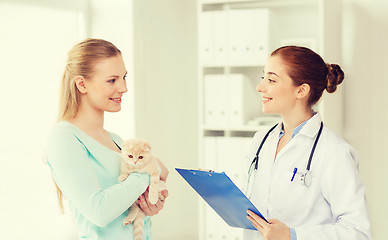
{"type": "Point", "coordinates": [259, 42]}
{"type": "Point", "coordinates": [231, 152]}
{"type": "Point", "coordinates": [210, 153]}
{"type": "Point", "coordinates": [216, 89]}
{"type": "Point", "coordinates": [210, 99]}
{"type": "Point", "coordinates": [238, 37]}
{"type": "Point", "coordinates": [248, 36]}
{"type": "Point", "coordinates": [225, 153]}
{"type": "Point", "coordinates": [243, 100]}
{"type": "Point", "coordinates": [239, 32]}
{"type": "Point", "coordinates": [206, 38]}
{"type": "Point", "coordinates": [219, 38]}
{"type": "Point", "coordinates": [230, 100]}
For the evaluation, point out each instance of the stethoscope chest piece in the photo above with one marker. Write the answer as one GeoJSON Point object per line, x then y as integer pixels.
{"type": "Point", "coordinates": [306, 178]}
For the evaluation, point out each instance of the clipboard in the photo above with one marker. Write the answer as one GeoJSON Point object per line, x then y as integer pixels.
{"type": "Point", "coordinates": [222, 195]}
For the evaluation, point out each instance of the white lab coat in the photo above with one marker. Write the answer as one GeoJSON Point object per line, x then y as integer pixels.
{"type": "Point", "coordinates": [332, 207]}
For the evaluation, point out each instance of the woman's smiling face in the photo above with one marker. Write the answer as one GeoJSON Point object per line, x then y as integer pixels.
{"type": "Point", "coordinates": [277, 88]}
{"type": "Point", "coordinates": [107, 85]}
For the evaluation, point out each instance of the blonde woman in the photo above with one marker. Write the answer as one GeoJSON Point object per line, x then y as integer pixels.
{"type": "Point", "coordinates": [84, 158]}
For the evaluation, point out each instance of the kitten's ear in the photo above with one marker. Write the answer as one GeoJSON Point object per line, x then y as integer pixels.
{"type": "Point", "coordinates": [147, 146]}
{"type": "Point", "coordinates": [125, 146]}
{"type": "Point", "coordinates": [128, 144]}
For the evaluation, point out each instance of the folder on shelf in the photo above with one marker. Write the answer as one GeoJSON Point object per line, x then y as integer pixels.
{"type": "Point", "coordinates": [206, 39]}
{"type": "Point", "coordinates": [216, 93]}
{"type": "Point", "coordinates": [219, 18]}
{"type": "Point", "coordinates": [222, 195]}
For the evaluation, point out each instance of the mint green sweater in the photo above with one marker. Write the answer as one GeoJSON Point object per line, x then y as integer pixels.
{"type": "Point", "coordinates": [86, 172]}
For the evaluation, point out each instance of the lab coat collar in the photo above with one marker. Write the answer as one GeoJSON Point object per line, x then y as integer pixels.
{"type": "Point", "coordinates": [310, 129]}
{"type": "Point", "coordinates": [312, 126]}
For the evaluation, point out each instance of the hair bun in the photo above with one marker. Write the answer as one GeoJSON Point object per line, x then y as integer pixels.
{"type": "Point", "coordinates": [334, 77]}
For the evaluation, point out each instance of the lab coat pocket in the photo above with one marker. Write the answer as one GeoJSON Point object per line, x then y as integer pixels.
{"type": "Point", "coordinates": [290, 197]}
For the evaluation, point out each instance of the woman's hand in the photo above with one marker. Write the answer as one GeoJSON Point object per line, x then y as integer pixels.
{"type": "Point", "coordinates": [274, 230]}
{"type": "Point", "coordinates": [152, 209]}
{"type": "Point", "coordinates": [165, 172]}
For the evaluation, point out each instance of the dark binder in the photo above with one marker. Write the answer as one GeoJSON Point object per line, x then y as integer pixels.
{"type": "Point", "coordinates": [222, 195]}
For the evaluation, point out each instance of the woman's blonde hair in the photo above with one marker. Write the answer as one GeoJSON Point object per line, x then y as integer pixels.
{"type": "Point", "coordinates": [80, 62]}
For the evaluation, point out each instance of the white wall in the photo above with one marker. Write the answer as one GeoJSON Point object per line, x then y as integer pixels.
{"type": "Point", "coordinates": [35, 38]}
{"type": "Point", "coordinates": [33, 54]}
{"type": "Point", "coordinates": [365, 52]}
{"type": "Point", "coordinates": [166, 103]}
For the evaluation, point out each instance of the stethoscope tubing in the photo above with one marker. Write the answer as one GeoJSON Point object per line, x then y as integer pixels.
{"type": "Point", "coordinates": [314, 146]}
{"type": "Point", "coordinates": [255, 160]}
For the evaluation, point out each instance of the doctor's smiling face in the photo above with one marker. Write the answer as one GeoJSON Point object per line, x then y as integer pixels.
{"type": "Point", "coordinates": [279, 94]}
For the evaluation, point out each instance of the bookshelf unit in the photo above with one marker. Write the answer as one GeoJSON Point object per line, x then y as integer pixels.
{"type": "Point", "coordinates": [235, 38]}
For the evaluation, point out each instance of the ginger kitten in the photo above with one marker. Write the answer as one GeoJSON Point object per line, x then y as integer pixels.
{"type": "Point", "coordinates": [137, 157]}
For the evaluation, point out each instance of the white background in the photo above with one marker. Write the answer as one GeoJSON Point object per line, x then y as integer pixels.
{"type": "Point", "coordinates": [158, 40]}
{"type": "Point", "coordinates": [35, 39]}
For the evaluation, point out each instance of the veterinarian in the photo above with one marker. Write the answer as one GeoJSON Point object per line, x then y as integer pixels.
{"type": "Point", "coordinates": [84, 158]}
{"type": "Point", "coordinates": [303, 177]}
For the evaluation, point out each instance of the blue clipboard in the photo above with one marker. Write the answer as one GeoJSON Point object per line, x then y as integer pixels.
{"type": "Point", "coordinates": [222, 195]}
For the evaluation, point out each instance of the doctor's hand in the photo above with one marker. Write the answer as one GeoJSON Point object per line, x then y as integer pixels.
{"type": "Point", "coordinates": [274, 230]}
{"type": "Point", "coordinates": [148, 208]}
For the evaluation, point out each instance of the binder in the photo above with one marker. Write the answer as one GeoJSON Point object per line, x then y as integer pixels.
{"type": "Point", "coordinates": [211, 83]}
{"type": "Point", "coordinates": [239, 33]}
{"type": "Point", "coordinates": [220, 36]}
{"type": "Point", "coordinates": [222, 195]}
{"type": "Point", "coordinates": [216, 93]}
{"type": "Point", "coordinates": [206, 39]}
{"type": "Point", "coordinates": [242, 94]}
{"type": "Point", "coordinates": [260, 40]}
{"type": "Point", "coordinates": [210, 152]}
{"type": "Point", "coordinates": [229, 157]}
{"type": "Point", "coordinates": [248, 36]}
{"type": "Point", "coordinates": [228, 100]}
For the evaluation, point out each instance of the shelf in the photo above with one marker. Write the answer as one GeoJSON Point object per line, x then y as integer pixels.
{"type": "Point", "coordinates": [260, 3]}
{"type": "Point", "coordinates": [245, 128]}
{"type": "Point", "coordinates": [236, 38]}
{"type": "Point", "coordinates": [233, 66]}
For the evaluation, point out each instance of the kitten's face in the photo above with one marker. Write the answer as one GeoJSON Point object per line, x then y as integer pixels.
{"type": "Point", "coordinates": [136, 152]}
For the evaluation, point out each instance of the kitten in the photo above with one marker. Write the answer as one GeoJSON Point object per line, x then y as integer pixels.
{"type": "Point", "coordinates": [137, 157]}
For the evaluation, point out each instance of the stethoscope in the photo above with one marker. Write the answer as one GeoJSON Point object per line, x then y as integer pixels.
{"type": "Point", "coordinates": [305, 178]}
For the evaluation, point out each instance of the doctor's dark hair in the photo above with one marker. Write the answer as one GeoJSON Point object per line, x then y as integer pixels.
{"type": "Point", "coordinates": [306, 66]}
